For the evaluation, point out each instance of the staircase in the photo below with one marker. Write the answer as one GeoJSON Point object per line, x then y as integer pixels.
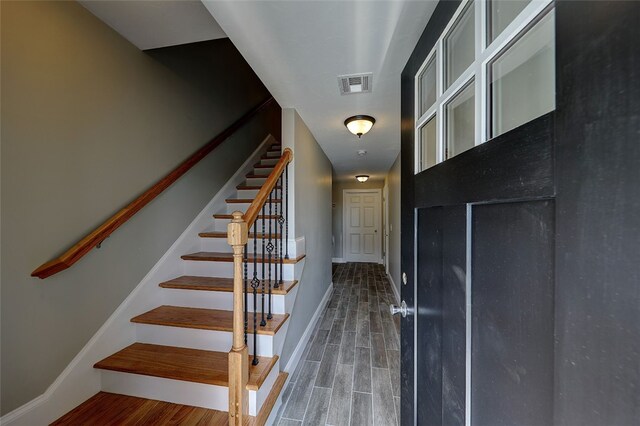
{"type": "Point", "coordinates": [181, 354]}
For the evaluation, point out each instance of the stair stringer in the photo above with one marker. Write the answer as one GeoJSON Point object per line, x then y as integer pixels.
{"type": "Point", "coordinates": [79, 380]}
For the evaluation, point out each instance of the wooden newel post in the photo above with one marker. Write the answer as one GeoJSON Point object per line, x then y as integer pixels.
{"type": "Point", "coordinates": [237, 235]}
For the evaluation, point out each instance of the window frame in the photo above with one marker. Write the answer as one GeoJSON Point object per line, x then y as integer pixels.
{"type": "Point", "coordinates": [478, 71]}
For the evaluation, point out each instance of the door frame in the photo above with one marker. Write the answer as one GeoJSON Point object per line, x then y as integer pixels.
{"type": "Point", "coordinates": [385, 225]}
{"type": "Point", "coordinates": [378, 191]}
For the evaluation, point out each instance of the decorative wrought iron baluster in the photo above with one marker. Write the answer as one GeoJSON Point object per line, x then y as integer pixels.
{"type": "Point", "coordinates": [246, 293]}
{"type": "Point", "coordinates": [269, 250]}
{"type": "Point", "coordinates": [286, 210]}
{"type": "Point", "coordinates": [263, 321]}
{"type": "Point", "coordinates": [281, 222]}
{"type": "Point", "coordinates": [255, 282]}
{"type": "Point", "coordinates": [275, 232]}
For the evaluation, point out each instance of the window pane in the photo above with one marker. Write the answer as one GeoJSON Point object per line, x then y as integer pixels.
{"type": "Point", "coordinates": [501, 13]}
{"type": "Point", "coordinates": [461, 122]}
{"type": "Point", "coordinates": [428, 86]}
{"type": "Point", "coordinates": [428, 144]}
{"type": "Point", "coordinates": [522, 81]}
{"type": "Point", "coordinates": [459, 45]}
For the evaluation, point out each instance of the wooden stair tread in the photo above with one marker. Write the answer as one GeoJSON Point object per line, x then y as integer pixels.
{"type": "Point", "coordinates": [185, 364]}
{"type": "Point", "coordinates": [247, 200]}
{"type": "Point", "coordinates": [221, 234]}
{"type": "Point", "coordinates": [114, 409]}
{"type": "Point", "coordinates": [254, 176]}
{"type": "Point", "coordinates": [205, 319]}
{"type": "Point", "coordinates": [230, 216]}
{"type": "Point", "coordinates": [263, 166]}
{"type": "Point", "coordinates": [228, 257]}
{"type": "Point", "coordinates": [217, 284]}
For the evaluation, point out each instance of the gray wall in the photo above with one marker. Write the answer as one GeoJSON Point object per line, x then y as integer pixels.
{"type": "Point", "coordinates": [393, 181]}
{"type": "Point", "coordinates": [337, 211]}
{"type": "Point", "coordinates": [88, 123]}
{"type": "Point", "coordinates": [312, 197]}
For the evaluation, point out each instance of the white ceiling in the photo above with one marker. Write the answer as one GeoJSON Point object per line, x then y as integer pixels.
{"type": "Point", "coordinates": [298, 48]}
{"type": "Point", "coordinates": [151, 24]}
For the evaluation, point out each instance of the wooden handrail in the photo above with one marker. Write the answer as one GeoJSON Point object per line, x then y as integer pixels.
{"type": "Point", "coordinates": [252, 212]}
{"type": "Point", "coordinates": [85, 245]}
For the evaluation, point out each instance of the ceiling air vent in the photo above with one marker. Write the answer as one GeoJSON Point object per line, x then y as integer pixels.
{"type": "Point", "coordinates": [355, 83]}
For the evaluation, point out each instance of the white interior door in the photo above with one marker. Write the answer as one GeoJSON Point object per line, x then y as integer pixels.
{"type": "Point", "coordinates": [362, 230]}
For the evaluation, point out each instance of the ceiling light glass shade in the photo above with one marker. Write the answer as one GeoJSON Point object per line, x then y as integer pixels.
{"type": "Point", "coordinates": [362, 178]}
{"type": "Point", "coordinates": [359, 124]}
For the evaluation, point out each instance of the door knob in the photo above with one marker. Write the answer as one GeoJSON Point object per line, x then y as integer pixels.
{"type": "Point", "coordinates": [402, 309]}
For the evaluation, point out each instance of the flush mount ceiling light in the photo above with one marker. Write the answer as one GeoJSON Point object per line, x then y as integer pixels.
{"type": "Point", "coordinates": [359, 124]}
{"type": "Point", "coordinates": [362, 178]}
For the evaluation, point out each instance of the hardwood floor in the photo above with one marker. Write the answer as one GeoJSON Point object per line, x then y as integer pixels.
{"type": "Point", "coordinates": [349, 373]}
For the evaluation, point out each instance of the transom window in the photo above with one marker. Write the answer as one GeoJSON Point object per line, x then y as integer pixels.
{"type": "Point", "coordinates": [491, 70]}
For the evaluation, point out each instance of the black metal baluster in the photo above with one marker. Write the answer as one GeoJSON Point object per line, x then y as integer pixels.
{"type": "Point", "coordinates": [270, 249]}
{"type": "Point", "coordinates": [278, 239]}
{"type": "Point", "coordinates": [263, 322]}
{"type": "Point", "coordinates": [246, 295]}
{"type": "Point", "coordinates": [286, 214]}
{"type": "Point", "coordinates": [281, 222]}
{"type": "Point", "coordinates": [255, 282]}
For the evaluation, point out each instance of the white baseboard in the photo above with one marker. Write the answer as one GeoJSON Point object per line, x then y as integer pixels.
{"type": "Point", "coordinates": [79, 380]}
{"type": "Point", "coordinates": [338, 260]}
{"type": "Point", "coordinates": [395, 289]}
{"type": "Point", "coordinates": [296, 356]}
{"type": "Point", "coordinates": [302, 343]}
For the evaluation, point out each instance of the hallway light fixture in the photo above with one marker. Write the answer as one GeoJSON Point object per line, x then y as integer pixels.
{"type": "Point", "coordinates": [362, 178]}
{"type": "Point", "coordinates": [359, 124]}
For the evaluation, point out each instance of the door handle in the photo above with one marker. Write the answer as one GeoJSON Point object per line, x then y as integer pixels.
{"type": "Point", "coordinates": [402, 309]}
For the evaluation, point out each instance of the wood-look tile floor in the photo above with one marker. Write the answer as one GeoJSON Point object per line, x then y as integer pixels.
{"type": "Point", "coordinates": [349, 373]}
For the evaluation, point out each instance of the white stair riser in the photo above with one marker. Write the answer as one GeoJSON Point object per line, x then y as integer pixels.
{"type": "Point", "coordinates": [247, 193]}
{"type": "Point", "coordinates": [168, 390]}
{"type": "Point", "coordinates": [237, 207]}
{"type": "Point", "coordinates": [256, 181]}
{"type": "Point", "coordinates": [253, 193]}
{"type": "Point", "coordinates": [221, 245]}
{"type": "Point", "coordinates": [269, 161]}
{"type": "Point", "coordinates": [216, 299]}
{"type": "Point", "coordinates": [225, 269]}
{"type": "Point", "coordinates": [262, 171]}
{"type": "Point", "coordinates": [243, 207]}
{"type": "Point", "coordinates": [179, 392]}
{"type": "Point", "coordinates": [276, 154]}
{"type": "Point", "coordinates": [222, 224]}
{"type": "Point", "coordinates": [207, 340]}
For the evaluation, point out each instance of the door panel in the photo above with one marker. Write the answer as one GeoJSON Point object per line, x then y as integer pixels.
{"type": "Point", "coordinates": [512, 314]}
{"type": "Point", "coordinates": [441, 317]}
{"type": "Point", "coordinates": [369, 216]}
{"type": "Point", "coordinates": [354, 243]}
{"type": "Point", "coordinates": [355, 217]}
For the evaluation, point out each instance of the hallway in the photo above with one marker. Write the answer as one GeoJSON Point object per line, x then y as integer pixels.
{"type": "Point", "coordinates": [349, 373]}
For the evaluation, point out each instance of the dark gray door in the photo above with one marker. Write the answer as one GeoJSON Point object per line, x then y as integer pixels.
{"type": "Point", "coordinates": [479, 347]}
{"type": "Point", "coordinates": [521, 254]}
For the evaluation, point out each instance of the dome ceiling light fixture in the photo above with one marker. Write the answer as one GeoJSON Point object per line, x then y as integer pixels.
{"type": "Point", "coordinates": [362, 178]}
{"type": "Point", "coordinates": [359, 124]}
